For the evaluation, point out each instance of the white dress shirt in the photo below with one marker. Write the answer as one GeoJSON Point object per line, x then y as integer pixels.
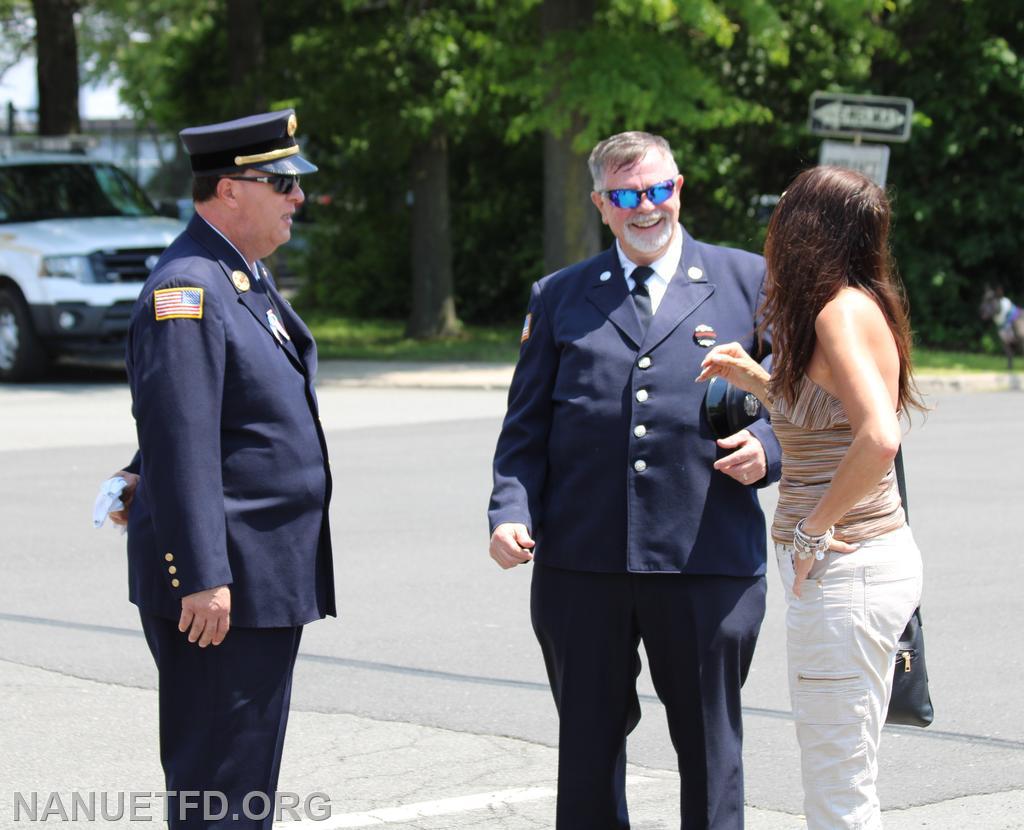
{"type": "Point", "coordinates": [252, 265]}
{"type": "Point", "coordinates": [664, 268]}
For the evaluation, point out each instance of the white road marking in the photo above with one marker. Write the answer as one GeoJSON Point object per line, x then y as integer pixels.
{"type": "Point", "coordinates": [440, 807]}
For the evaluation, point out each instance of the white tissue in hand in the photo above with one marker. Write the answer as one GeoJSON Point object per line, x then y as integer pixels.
{"type": "Point", "coordinates": [108, 499]}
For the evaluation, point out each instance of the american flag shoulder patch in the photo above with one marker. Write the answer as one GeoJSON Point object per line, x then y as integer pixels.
{"type": "Point", "coordinates": [526, 328]}
{"type": "Point", "coordinates": [176, 303]}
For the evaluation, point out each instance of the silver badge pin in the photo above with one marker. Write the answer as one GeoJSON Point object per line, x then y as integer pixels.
{"type": "Point", "coordinates": [272, 322]}
{"type": "Point", "coordinates": [280, 332]}
{"type": "Point", "coordinates": [605, 276]}
{"type": "Point", "coordinates": [694, 273]}
{"type": "Point", "coordinates": [751, 405]}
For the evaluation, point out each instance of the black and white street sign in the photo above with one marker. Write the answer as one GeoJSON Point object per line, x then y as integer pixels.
{"type": "Point", "coordinates": [874, 117]}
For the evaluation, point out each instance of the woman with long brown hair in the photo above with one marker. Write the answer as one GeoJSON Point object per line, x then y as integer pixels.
{"type": "Point", "coordinates": [841, 381]}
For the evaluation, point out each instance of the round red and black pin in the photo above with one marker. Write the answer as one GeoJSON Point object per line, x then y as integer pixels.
{"type": "Point", "coordinates": [705, 336]}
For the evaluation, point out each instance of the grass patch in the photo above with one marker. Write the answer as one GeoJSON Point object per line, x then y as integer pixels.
{"type": "Point", "coordinates": [937, 362]}
{"type": "Point", "coordinates": [350, 339]}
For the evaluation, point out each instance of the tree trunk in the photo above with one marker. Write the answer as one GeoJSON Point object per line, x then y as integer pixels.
{"type": "Point", "coordinates": [572, 228]}
{"type": "Point", "coordinates": [57, 66]}
{"type": "Point", "coordinates": [433, 299]}
{"type": "Point", "coordinates": [247, 55]}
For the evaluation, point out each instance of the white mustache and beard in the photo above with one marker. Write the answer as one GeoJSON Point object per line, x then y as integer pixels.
{"type": "Point", "coordinates": [649, 241]}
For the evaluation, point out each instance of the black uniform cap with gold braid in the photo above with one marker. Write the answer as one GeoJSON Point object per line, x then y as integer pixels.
{"type": "Point", "coordinates": [259, 142]}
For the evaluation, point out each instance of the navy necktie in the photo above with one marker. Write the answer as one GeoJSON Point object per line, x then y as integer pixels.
{"type": "Point", "coordinates": [641, 296]}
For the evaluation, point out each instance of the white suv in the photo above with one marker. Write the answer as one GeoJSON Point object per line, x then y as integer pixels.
{"type": "Point", "coordinates": [77, 240]}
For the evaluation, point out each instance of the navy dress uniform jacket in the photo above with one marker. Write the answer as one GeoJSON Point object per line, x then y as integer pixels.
{"type": "Point", "coordinates": [235, 482]}
{"type": "Point", "coordinates": [605, 453]}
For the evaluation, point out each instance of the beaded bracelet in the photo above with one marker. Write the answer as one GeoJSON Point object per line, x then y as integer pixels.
{"type": "Point", "coordinates": [807, 546]}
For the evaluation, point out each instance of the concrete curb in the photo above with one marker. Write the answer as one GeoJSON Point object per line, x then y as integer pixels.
{"type": "Point", "coordinates": [970, 382]}
{"type": "Point", "coordinates": [409, 375]}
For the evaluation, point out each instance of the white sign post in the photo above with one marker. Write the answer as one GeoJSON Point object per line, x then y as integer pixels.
{"type": "Point", "coordinates": [870, 159]}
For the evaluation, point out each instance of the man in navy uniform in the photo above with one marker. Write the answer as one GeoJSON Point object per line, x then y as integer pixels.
{"type": "Point", "coordinates": [607, 477]}
{"type": "Point", "coordinates": [228, 537]}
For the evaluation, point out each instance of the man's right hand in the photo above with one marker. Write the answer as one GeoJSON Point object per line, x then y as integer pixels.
{"type": "Point", "coordinates": [206, 615]}
{"type": "Point", "coordinates": [120, 517]}
{"type": "Point", "coordinates": [511, 544]}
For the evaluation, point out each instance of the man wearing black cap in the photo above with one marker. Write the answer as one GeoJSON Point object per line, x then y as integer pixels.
{"type": "Point", "coordinates": [228, 537]}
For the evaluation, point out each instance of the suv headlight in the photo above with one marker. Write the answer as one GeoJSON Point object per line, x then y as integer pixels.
{"type": "Point", "coordinates": [72, 267]}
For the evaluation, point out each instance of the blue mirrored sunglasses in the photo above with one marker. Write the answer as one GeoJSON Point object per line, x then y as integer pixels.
{"type": "Point", "coordinates": [282, 183]}
{"type": "Point", "coordinates": [629, 199]}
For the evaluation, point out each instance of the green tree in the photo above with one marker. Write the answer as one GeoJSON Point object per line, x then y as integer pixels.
{"type": "Point", "coordinates": [555, 77]}
{"type": "Point", "coordinates": [607, 66]}
{"type": "Point", "coordinates": [181, 61]}
{"type": "Point", "coordinates": [18, 27]}
{"type": "Point", "coordinates": [830, 47]}
{"type": "Point", "coordinates": [407, 80]}
{"type": "Point", "coordinates": [451, 135]}
{"type": "Point", "coordinates": [959, 184]}
{"type": "Point", "coordinates": [46, 27]}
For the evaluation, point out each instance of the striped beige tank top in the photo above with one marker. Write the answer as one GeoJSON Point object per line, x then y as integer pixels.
{"type": "Point", "coordinates": [815, 434]}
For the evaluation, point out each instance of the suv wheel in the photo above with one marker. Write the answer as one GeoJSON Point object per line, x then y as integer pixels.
{"type": "Point", "coordinates": [22, 356]}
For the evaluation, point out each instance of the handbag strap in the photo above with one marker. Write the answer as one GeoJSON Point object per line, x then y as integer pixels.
{"type": "Point", "coordinates": [901, 482]}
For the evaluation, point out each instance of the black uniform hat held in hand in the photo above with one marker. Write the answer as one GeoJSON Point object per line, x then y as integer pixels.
{"type": "Point", "coordinates": [728, 408]}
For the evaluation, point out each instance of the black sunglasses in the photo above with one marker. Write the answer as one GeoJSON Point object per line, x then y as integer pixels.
{"type": "Point", "coordinates": [283, 183]}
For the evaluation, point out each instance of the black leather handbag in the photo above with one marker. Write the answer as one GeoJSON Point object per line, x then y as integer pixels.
{"type": "Point", "coordinates": [911, 701]}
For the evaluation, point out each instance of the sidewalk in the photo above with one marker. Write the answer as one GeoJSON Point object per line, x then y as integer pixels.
{"type": "Point", "coordinates": [65, 735]}
{"type": "Point", "coordinates": [410, 375]}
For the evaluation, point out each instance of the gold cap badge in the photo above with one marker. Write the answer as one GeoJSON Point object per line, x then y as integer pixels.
{"type": "Point", "coordinates": [293, 124]}
{"type": "Point", "coordinates": [241, 280]}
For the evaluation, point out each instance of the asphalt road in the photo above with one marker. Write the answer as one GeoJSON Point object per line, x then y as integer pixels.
{"type": "Point", "coordinates": [433, 635]}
